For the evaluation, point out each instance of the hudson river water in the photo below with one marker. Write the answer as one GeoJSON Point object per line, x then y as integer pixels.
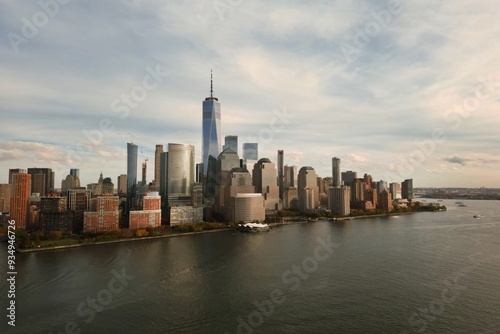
{"type": "Point", "coordinates": [419, 273]}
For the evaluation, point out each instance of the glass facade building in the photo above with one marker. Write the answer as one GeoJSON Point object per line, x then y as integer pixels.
{"type": "Point", "coordinates": [180, 174]}
{"type": "Point", "coordinates": [231, 142]}
{"type": "Point", "coordinates": [336, 173]}
{"type": "Point", "coordinates": [131, 170]}
{"type": "Point", "coordinates": [250, 151]}
{"type": "Point", "coordinates": [211, 132]}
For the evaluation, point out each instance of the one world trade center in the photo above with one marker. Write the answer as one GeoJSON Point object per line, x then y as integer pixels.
{"type": "Point", "coordinates": [211, 143]}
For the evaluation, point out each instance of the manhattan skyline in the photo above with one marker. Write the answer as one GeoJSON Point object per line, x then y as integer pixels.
{"type": "Point", "coordinates": [374, 84]}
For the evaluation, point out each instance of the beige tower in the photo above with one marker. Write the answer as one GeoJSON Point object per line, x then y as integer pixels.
{"type": "Point", "coordinates": [265, 181]}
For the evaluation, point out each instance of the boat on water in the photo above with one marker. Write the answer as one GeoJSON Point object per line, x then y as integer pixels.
{"type": "Point", "coordinates": [477, 216]}
{"type": "Point", "coordinates": [253, 227]}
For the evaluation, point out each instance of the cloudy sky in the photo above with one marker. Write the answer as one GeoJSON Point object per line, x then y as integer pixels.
{"type": "Point", "coordinates": [396, 89]}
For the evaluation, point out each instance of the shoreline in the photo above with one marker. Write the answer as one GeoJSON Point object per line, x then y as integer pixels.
{"type": "Point", "coordinates": [53, 248]}
{"type": "Point", "coordinates": [41, 249]}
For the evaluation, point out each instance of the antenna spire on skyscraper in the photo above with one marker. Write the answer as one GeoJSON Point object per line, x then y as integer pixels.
{"type": "Point", "coordinates": [211, 85]}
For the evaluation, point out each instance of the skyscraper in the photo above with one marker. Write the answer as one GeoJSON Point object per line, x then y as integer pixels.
{"type": "Point", "coordinates": [265, 182]}
{"type": "Point", "coordinates": [407, 189]}
{"type": "Point", "coordinates": [290, 189]}
{"type": "Point", "coordinates": [250, 151]}
{"type": "Point", "coordinates": [131, 173]}
{"type": "Point", "coordinates": [75, 172]}
{"type": "Point", "coordinates": [21, 190]}
{"type": "Point", "coordinates": [281, 173]}
{"type": "Point", "coordinates": [226, 161]}
{"type": "Point", "coordinates": [348, 177]}
{"type": "Point", "coordinates": [42, 180]}
{"type": "Point", "coordinates": [289, 176]}
{"type": "Point", "coordinates": [240, 183]}
{"type": "Point", "coordinates": [395, 190]}
{"type": "Point", "coordinates": [122, 184]}
{"type": "Point", "coordinates": [308, 188]}
{"type": "Point", "coordinates": [158, 152]}
{"type": "Point", "coordinates": [339, 200]}
{"type": "Point", "coordinates": [13, 171]}
{"type": "Point", "coordinates": [163, 181]}
{"type": "Point", "coordinates": [336, 174]}
{"type": "Point", "coordinates": [211, 132]}
{"type": "Point", "coordinates": [231, 142]}
{"type": "Point", "coordinates": [144, 171]}
{"type": "Point", "coordinates": [180, 174]}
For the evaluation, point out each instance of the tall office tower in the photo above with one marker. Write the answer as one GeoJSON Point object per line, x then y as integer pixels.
{"type": "Point", "coordinates": [5, 194]}
{"type": "Point", "coordinates": [321, 185]}
{"type": "Point", "coordinates": [75, 172]}
{"type": "Point", "coordinates": [358, 190]}
{"type": "Point", "coordinates": [197, 197]}
{"type": "Point", "coordinates": [290, 194]}
{"type": "Point", "coordinates": [144, 171]}
{"type": "Point", "coordinates": [13, 171]}
{"type": "Point", "coordinates": [368, 180]}
{"type": "Point", "coordinates": [327, 183]}
{"type": "Point", "coordinates": [395, 190]}
{"type": "Point", "coordinates": [78, 202]}
{"type": "Point", "coordinates": [180, 174]}
{"type": "Point", "coordinates": [307, 188]}
{"type": "Point", "coordinates": [381, 185]}
{"type": "Point", "coordinates": [210, 183]}
{"type": "Point", "coordinates": [42, 180]}
{"type": "Point", "coordinates": [131, 174]}
{"type": "Point", "coordinates": [163, 181]}
{"type": "Point", "coordinates": [336, 174]}
{"type": "Point", "coordinates": [226, 161]}
{"type": "Point", "coordinates": [250, 151]}
{"type": "Point", "coordinates": [240, 182]}
{"type": "Point", "coordinates": [348, 177]}
{"type": "Point", "coordinates": [19, 201]}
{"type": "Point", "coordinates": [407, 189]}
{"type": "Point", "coordinates": [339, 200]}
{"type": "Point", "coordinates": [289, 176]}
{"type": "Point", "coordinates": [250, 155]}
{"type": "Point", "coordinates": [69, 183]}
{"type": "Point", "coordinates": [231, 142]}
{"type": "Point", "coordinates": [281, 173]}
{"type": "Point", "coordinates": [266, 183]}
{"type": "Point", "coordinates": [211, 132]}
{"type": "Point", "coordinates": [158, 152]}
{"type": "Point", "coordinates": [290, 191]}
{"type": "Point", "coordinates": [200, 176]}
{"type": "Point", "coordinates": [121, 184]}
